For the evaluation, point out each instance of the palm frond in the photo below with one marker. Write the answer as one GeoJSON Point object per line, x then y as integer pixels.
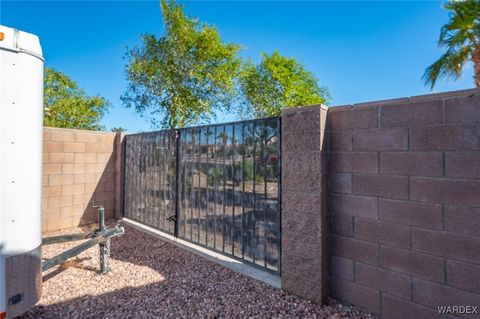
{"type": "Point", "coordinates": [460, 36]}
{"type": "Point", "coordinates": [449, 65]}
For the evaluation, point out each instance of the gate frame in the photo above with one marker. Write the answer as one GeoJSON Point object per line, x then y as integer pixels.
{"type": "Point", "coordinates": [178, 132]}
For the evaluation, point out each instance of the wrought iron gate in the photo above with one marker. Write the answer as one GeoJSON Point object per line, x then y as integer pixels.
{"type": "Point", "coordinates": [217, 186]}
{"type": "Point", "coordinates": [150, 179]}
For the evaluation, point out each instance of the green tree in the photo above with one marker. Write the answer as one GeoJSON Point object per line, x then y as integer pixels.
{"type": "Point", "coordinates": [118, 129]}
{"type": "Point", "coordinates": [68, 106]}
{"type": "Point", "coordinates": [461, 37]}
{"type": "Point", "coordinates": [278, 82]}
{"type": "Point", "coordinates": [184, 75]}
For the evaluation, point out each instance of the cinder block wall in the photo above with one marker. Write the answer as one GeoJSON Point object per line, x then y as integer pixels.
{"type": "Point", "coordinates": [404, 198]}
{"type": "Point", "coordinates": [79, 169]}
{"type": "Point", "coordinates": [403, 204]}
{"type": "Point", "coordinates": [304, 214]}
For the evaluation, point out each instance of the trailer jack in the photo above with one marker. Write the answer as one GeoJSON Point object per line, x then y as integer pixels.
{"type": "Point", "coordinates": [100, 237]}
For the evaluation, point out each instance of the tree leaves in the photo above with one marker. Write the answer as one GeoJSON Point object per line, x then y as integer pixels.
{"type": "Point", "coordinates": [461, 36]}
{"type": "Point", "coordinates": [68, 106]}
{"type": "Point", "coordinates": [278, 82]}
{"type": "Point", "coordinates": [184, 75]}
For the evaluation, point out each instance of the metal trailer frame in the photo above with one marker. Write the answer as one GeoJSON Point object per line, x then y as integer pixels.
{"type": "Point", "coordinates": [100, 237]}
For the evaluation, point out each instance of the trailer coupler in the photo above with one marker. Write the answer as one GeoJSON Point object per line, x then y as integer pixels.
{"type": "Point", "coordinates": [101, 237]}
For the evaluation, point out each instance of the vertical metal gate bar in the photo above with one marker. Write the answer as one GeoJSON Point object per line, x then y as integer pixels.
{"type": "Point", "coordinates": [192, 179]}
{"type": "Point", "coordinates": [207, 200]}
{"type": "Point", "coordinates": [155, 183]}
{"type": "Point", "coordinates": [224, 175]}
{"type": "Point", "coordinates": [167, 180]}
{"type": "Point", "coordinates": [126, 171]}
{"type": "Point", "coordinates": [181, 164]}
{"type": "Point", "coordinates": [194, 198]}
{"type": "Point", "coordinates": [145, 147]}
{"type": "Point", "coordinates": [123, 184]}
{"type": "Point", "coordinates": [151, 180]}
{"type": "Point", "coordinates": [221, 193]}
{"type": "Point", "coordinates": [163, 182]}
{"type": "Point", "coordinates": [184, 163]}
{"type": "Point", "coordinates": [177, 184]}
{"type": "Point", "coordinates": [170, 176]}
{"type": "Point", "coordinates": [150, 190]}
{"type": "Point", "coordinates": [228, 198]}
{"type": "Point", "coordinates": [141, 179]}
{"type": "Point", "coordinates": [195, 187]}
{"type": "Point", "coordinates": [279, 193]}
{"type": "Point", "coordinates": [254, 219]}
{"type": "Point", "coordinates": [265, 204]}
{"type": "Point", "coordinates": [138, 187]}
{"type": "Point", "coordinates": [215, 179]}
{"type": "Point", "coordinates": [131, 209]}
{"type": "Point", "coordinates": [198, 192]}
{"type": "Point", "coordinates": [148, 176]}
{"type": "Point", "coordinates": [184, 198]}
{"type": "Point", "coordinates": [127, 189]}
{"type": "Point", "coordinates": [131, 180]}
{"type": "Point", "coordinates": [243, 190]}
{"type": "Point", "coordinates": [146, 152]}
{"type": "Point", "coordinates": [139, 184]}
{"type": "Point", "coordinates": [196, 204]}
{"type": "Point", "coordinates": [234, 197]}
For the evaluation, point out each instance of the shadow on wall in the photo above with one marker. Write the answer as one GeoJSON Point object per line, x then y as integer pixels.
{"type": "Point", "coordinates": [79, 170]}
{"type": "Point", "coordinates": [102, 195]}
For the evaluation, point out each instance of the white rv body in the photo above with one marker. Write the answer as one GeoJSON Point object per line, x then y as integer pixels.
{"type": "Point", "coordinates": [21, 137]}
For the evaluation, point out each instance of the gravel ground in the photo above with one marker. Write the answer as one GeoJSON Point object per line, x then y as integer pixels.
{"type": "Point", "coordinates": [151, 278]}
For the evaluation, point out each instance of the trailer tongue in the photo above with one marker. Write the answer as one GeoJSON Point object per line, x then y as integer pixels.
{"type": "Point", "coordinates": [100, 237]}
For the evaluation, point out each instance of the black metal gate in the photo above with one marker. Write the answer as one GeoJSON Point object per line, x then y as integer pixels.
{"type": "Point", "coordinates": [150, 174]}
{"type": "Point", "coordinates": [217, 186]}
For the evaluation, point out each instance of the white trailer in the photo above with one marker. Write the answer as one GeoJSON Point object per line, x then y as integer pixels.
{"type": "Point", "coordinates": [21, 122]}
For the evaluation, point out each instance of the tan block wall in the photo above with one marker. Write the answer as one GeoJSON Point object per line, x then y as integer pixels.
{"type": "Point", "coordinates": [78, 170]}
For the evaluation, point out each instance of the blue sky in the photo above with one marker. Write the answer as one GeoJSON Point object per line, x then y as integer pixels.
{"type": "Point", "coordinates": [362, 51]}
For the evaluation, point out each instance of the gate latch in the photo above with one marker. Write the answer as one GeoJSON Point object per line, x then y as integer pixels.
{"type": "Point", "coordinates": [15, 299]}
{"type": "Point", "coordinates": [172, 218]}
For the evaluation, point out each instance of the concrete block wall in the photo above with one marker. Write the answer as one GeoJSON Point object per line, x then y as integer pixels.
{"type": "Point", "coordinates": [403, 204]}
{"type": "Point", "coordinates": [304, 233]}
{"type": "Point", "coordinates": [79, 169]}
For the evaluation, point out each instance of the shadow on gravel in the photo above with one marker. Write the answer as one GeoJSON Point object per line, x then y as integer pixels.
{"type": "Point", "coordinates": [77, 263]}
{"type": "Point", "coordinates": [193, 288]}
